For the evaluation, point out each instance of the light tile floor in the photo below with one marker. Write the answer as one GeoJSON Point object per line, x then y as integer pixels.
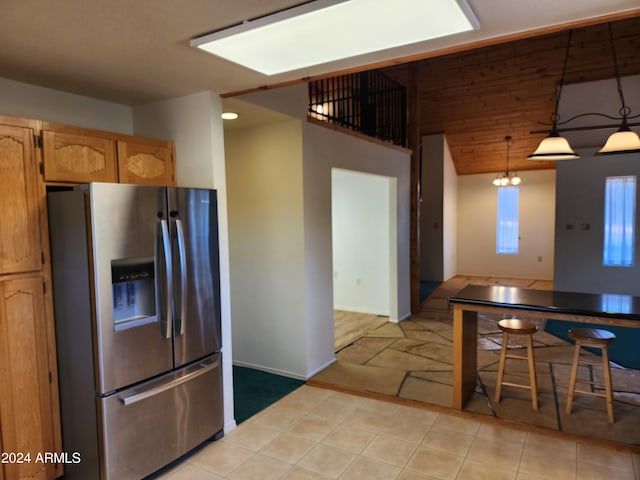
{"type": "Point", "coordinates": [319, 433]}
{"type": "Point", "coordinates": [316, 433]}
{"type": "Point", "coordinates": [413, 360]}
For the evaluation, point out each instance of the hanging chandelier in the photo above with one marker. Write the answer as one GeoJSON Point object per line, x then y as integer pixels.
{"type": "Point", "coordinates": [507, 179]}
{"type": "Point", "coordinates": [624, 140]}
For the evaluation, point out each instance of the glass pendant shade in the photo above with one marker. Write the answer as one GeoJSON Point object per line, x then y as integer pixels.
{"type": "Point", "coordinates": [622, 141]}
{"type": "Point", "coordinates": [554, 147]}
{"type": "Point", "coordinates": [507, 179]}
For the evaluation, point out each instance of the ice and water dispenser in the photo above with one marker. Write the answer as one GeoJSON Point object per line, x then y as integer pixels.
{"type": "Point", "coordinates": [134, 293]}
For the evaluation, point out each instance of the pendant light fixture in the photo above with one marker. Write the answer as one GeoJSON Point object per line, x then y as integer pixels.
{"type": "Point", "coordinates": [555, 147]}
{"type": "Point", "coordinates": [624, 140]}
{"type": "Point", "coordinates": [507, 179]}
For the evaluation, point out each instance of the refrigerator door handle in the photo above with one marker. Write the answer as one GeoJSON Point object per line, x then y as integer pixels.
{"type": "Point", "coordinates": [166, 242]}
{"type": "Point", "coordinates": [183, 273]}
{"type": "Point", "coordinates": [139, 396]}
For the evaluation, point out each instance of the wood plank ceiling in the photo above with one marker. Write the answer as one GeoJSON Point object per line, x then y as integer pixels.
{"type": "Point", "coordinates": [479, 96]}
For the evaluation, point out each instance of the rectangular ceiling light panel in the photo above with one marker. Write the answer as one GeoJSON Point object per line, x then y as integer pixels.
{"type": "Point", "coordinates": [327, 30]}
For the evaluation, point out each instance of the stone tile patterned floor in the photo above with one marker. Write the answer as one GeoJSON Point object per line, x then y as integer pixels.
{"type": "Point", "coordinates": [413, 360]}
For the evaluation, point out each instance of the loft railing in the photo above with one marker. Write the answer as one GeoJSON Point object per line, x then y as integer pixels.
{"type": "Point", "coordinates": [366, 102]}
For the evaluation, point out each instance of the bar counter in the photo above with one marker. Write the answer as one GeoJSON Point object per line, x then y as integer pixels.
{"type": "Point", "coordinates": [600, 309]}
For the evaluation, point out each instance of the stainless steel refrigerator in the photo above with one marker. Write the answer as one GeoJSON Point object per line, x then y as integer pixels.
{"type": "Point", "coordinates": [137, 310]}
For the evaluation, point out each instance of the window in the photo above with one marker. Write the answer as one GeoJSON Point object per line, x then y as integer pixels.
{"type": "Point", "coordinates": [619, 221]}
{"type": "Point", "coordinates": [507, 228]}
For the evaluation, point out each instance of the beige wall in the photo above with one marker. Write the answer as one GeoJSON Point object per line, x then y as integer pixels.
{"type": "Point", "coordinates": [305, 347]}
{"type": "Point", "coordinates": [266, 233]}
{"type": "Point", "coordinates": [477, 213]}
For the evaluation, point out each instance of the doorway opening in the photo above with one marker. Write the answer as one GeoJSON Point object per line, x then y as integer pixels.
{"type": "Point", "coordinates": [363, 218]}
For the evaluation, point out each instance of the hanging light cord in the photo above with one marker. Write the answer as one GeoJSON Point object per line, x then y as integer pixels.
{"type": "Point", "coordinates": [555, 117]}
{"type": "Point", "coordinates": [508, 140]}
{"type": "Point", "coordinates": [624, 110]}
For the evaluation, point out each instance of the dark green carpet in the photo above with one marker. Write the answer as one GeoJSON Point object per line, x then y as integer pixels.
{"type": "Point", "coordinates": [426, 289]}
{"type": "Point", "coordinates": [254, 390]}
{"type": "Point", "coordinates": [624, 351]}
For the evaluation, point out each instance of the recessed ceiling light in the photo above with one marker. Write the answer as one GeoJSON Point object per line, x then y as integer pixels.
{"type": "Point", "coordinates": [327, 30]}
{"type": "Point", "coordinates": [229, 115]}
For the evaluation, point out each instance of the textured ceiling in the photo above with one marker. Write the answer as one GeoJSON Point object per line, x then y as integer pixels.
{"type": "Point", "coordinates": [133, 52]}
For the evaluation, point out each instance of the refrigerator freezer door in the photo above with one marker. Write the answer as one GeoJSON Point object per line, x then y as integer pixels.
{"type": "Point", "coordinates": [196, 282]}
{"type": "Point", "coordinates": [131, 264]}
{"type": "Point", "coordinates": [149, 426]}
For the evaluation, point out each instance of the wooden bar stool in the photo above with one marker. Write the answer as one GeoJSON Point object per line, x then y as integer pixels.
{"type": "Point", "coordinates": [515, 326]}
{"type": "Point", "coordinates": [596, 338]}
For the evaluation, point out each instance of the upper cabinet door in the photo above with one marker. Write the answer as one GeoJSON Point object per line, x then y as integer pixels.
{"type": "Point", "coordinates": [78, 158]}
{"type": "Point", "coordinates": [146, 162]}
{"type": "Point", "coordinates": [20, 249]}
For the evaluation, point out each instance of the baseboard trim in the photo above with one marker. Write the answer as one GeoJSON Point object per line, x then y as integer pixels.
{"type": "Point", "coordinates": [275, 371]}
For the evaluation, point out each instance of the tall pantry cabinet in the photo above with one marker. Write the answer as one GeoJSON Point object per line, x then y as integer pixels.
{"type": "Point", "coordinates": [29, 409]}
{"type": "Point", "coordinates": [36, 154]}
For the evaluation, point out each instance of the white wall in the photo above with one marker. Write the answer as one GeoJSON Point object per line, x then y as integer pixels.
{"type": "Point", "coordinates": [449, 216]}
{"type": "Point", "coordinates": [438, 210]}
{"type": "Point", "coordinates": [599, 96]}
{"type": "Point", "coordinates": [431, 208]}
{"type": "Point", "coordinates": [477, 214]}
{"type": "Point", "coordinates": [24, 100]}
{"type": "Point", "coordinates": [193, 123]}
{"type": "Point", "coordinates": [360, 236]}
{"type": "Point", "coordinates": [322, 150]}
{"type": "Point", "coordinates": [267, 247]}
{"type": "Point", "coordinates": [580, 226]}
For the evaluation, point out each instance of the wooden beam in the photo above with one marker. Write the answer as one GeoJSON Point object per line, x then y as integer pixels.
{"type": "Point", "coordinates": [413, 140]}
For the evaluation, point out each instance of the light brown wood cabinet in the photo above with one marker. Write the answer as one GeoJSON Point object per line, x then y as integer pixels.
{"type": "Point", "coordinates": [70, 157]}
{"type": "Point", "coordinates": [19, 228]}
{"type": "Point", "coordinates": [24, 368]}
{"type": "Point", "coordinates": [66, 155]}
{"type": "Point", "coordinates": [29, 404]}
{"type": "Point", "coordinates": [146, 162]}
{"type": "Point", "coordinates": [78, 155]}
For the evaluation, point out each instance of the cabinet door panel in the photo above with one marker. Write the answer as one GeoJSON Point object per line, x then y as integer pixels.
{"type": "Point", "coordinates": [19, 228]}
{"type": "Point", "coordinates": [78, 158]}
{"type": "Point", "coordinates": [146, 163]}
{"type": "Point", "coordinates": [24, 376]}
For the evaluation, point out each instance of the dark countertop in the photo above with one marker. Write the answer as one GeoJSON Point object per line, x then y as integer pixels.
{"type": "Point", "coordinates": [588, 304]}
